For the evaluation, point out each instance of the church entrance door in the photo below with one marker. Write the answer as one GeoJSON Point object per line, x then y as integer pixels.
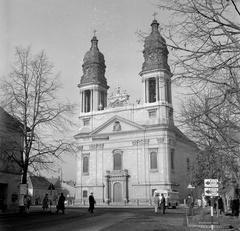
{"type": "Point", "coordinates": [117, 192]}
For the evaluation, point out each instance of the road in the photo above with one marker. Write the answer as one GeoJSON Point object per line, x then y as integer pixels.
{"type": "Point", "coordinates": [106, 219]}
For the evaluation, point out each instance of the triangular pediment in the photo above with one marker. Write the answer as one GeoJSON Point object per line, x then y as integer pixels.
{"type": "Point", "coordinates": [115, 125]}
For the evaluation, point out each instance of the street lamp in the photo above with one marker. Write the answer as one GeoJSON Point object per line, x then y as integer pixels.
{"type": "Point", "coordinates": [191, 188]}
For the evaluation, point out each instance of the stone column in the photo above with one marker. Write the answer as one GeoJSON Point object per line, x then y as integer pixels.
{"type": "Point", "coordinates": [147, 90]}
{"type": "Point", "coordinates": [107, 188]}
{"type": "Point", "coordinates": [162, 89]}
{"type": "Point", "coordinates": [157, 89]}
{"type": "Point", "coordinates": [81, 104]}
{"type": "Point", "coordinates": [91, 100]}
{"type": "Point", "coordinates": [144, 90]}
{"type": "Point", "coordinates": [84, 101]}
{"type": "Point", "coordinates": [125, 183]}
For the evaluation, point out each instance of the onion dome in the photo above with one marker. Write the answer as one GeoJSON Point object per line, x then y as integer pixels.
{"type": "Point", "coordinates": [155, 50]}
{"type": "Point", "coordinates": [93, 66]}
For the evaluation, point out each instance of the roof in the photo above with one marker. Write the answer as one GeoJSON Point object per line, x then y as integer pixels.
{"type": "Point", "coordinates": [39, 182]}
{"type": "Point", "coordinates": [9, 121]}
{"type": "Point", "coordinates": [55, 182]}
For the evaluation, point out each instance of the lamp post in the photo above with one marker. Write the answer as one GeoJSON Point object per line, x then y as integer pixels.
{"type": "Point", "coordinates": [60, 171]}
{"type": "Point", "coordinates": [191, 188]}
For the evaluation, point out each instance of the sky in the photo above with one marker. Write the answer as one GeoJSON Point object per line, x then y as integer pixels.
{"type": "Point", "coordinates": [64, 29]}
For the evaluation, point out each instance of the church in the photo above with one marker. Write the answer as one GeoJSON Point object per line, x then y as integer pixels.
{"type": "Point", "coordinates": [127, 151]}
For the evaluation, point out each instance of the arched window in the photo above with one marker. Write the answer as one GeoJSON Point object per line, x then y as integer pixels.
{"type": "Point", "coordinates": [152, 90]}
{"type": "Point", "coordinates": [87, 101]}
{"type": "Point", "coordinates": [153, 160]}
{"type": "Point", "coordinates": [85, 164]}
{"type": "Point", "coordinates": [117, 161]}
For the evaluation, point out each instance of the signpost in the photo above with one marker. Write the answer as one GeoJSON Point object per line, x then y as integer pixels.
{"type": "Point", "coordinates": [211, 183]}
{"type": "Point", "coordinates": [211, 189]}
{"type": "Point", "coordinates": [212, 192]}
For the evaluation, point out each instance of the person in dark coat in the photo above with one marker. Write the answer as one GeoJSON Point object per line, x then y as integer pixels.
{"type": "Point", "coordinates": [190, 211]}
{"type": "Point", "coordinates": [162, 203]}
{"type": "Point", "coordinates": [235, 207]}
{"type": "Point", "coordinates": [92, 202]}
{"type": "Point", "coordinates": [60, 205]}
{"type": "Point", "coordinates": [220, 205]}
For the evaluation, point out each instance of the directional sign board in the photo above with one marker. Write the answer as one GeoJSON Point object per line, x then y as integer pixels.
{"type": "Point", "coordinates": [210, 183]}
{"type": "Point", "coordinates": [213, 192]}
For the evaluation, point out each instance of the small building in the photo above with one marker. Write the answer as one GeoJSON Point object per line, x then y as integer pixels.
{"type": "Point", "coordinates": [39, 186]}
{"type": "Point", "coordinates": [11, 143]}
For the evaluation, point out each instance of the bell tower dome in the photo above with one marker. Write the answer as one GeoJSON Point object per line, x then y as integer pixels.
{"type": "Point", "coordinates": [93, 84]}
{"type": "Point", "coordinates": [156, 74]}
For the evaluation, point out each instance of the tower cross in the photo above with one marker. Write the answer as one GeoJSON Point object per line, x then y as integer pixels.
{"type": "Point", "coordinates": [154, 15]}
{"type": "Point", "coordinates": [94, 32]}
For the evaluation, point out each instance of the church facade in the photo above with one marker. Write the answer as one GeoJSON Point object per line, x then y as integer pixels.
{"type": "Point", "coordinates": [126, 151]}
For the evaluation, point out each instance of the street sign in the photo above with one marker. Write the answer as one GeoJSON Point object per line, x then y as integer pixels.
{"type": "Point", "coordinates": [213, 192]}
{"type": "Point", "coordinates": [210, 183]}
{"type": "Point", "coordinates": [23, 189]}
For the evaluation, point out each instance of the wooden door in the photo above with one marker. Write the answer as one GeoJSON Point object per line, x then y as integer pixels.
{"type": "Point", "coordinates": [117, 192]}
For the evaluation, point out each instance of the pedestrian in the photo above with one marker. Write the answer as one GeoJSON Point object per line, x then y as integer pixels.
{"type": "Point", "coordinates": [45, 203]}
{"type": "Point", "coordinates": [220, 205]}
{"type": "Point", "coordinates": [92, 202]}
{"type": "Point", "coordinates": [235, 207]}
{"type": "Point", "coordinates": [2, 204]}
{"type": "Point", "coordinates": [27, 202]}
{"type": "Point", "coordinates": [60, 205]}
{"type": "Point", "coordinates": [190, 204]}
{"type": "Point", "coordinates": [199, 203]}
{"type": "Point", "coordinates": [162, 203]}
{"type": "Point", "coordinates": [156, 201]}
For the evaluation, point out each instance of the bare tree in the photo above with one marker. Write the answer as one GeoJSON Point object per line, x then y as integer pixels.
{"type": "Point", "coordinates": [204, 37]}
{"type": "Point", "coordinates": [212, 123]}
{"type": "Point", "coordinates": [31, 95]}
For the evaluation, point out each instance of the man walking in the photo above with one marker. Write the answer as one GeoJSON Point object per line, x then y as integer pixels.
{"type": "Point", "coordinates": [162, 203]}
{"type": "Point", "coordinates": [91, 203]}
{"type": "Point", "coordinates": [61, 205]}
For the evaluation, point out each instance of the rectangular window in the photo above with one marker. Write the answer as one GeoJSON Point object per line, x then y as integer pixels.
{"type": "Point", "coordinates": [86, 122]}
{"type": "Point", "coordinates": [152, 113]}
{"type": "Point", "coordinates": [117, 161]}
{"type": "Point", "coordinates": [153, 160]}
{"type": "Point", "coordinates": [172, 158]}
{"type": "Point", "coordinates": [85, 194]}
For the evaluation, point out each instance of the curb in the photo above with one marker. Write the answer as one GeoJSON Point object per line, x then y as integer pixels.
{"type": "Point", "coordinates": [206, 226]}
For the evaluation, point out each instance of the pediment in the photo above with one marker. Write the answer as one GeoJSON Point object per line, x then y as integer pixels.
{"type": "Point", "coordinates": [115, 125]}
